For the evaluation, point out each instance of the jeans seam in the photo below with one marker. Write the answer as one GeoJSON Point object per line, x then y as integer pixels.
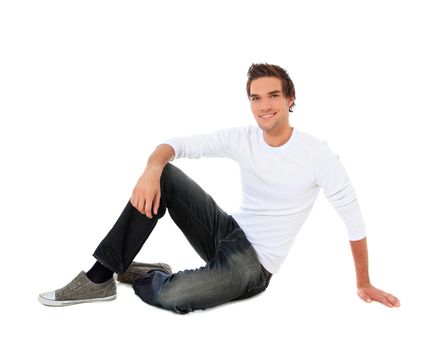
{"type": "Point", "coordinates": [164, 194]}
{"type": "Point", "coordinates": [192, 215]}
{"type": "Point", "coordinates": [104, 263]}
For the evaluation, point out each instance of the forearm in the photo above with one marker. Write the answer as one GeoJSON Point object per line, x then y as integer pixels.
{"type": "Point", "coordinates": [361, 261]}
{"type": "Point", "coordinates": [162, 155]}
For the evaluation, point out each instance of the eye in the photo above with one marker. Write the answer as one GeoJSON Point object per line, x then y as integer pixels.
{"type": "Point", "coordinates": [254, 98]}
{"type": "Point", "coordinates": [275, 95]}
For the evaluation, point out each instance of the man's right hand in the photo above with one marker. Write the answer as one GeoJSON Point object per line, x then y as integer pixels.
{"type": "Point", "coordinates": [147, 192]}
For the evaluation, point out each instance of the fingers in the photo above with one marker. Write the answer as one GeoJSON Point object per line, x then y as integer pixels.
{"type": "Point", "coordinates": [380, 296]}
{"type": "Point", "coordinates": [144, 202]}
{"type": "Point", "coordinates": [365, 297]}
{"type": "Point", "coordinates": [148, 207]}
{"type": "Point", "coordinates": [139, 201]}
{"type": "Point", "coordinates": [387, 299]}
{"type": "Point", "coordinates": [134, 200]}
{"type": "Point", "coordinates": [393, 300]}
{"type": "Point", "coordinates": [383, 300]}
{"type": "Point", "coordinates": [156, 203]}
{"type": "Point", "coordinates": [147, 193]}
{"type": "Point", "coordinates": [152, 202]}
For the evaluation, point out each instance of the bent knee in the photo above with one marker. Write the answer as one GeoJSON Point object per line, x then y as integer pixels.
{"type": "Point", "coordinates": [149, 286]}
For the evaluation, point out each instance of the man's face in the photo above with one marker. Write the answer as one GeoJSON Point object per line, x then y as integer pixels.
{"type": "Point", "coordinates": [269, 105]}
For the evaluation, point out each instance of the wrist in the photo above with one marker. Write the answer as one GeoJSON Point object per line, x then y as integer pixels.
{"type": "Point", "coordinates": [363, 284]}
{"type": "Point", "coordinates": [154, 166]}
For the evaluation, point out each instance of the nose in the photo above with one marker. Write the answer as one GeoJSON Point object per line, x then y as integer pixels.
{"type": "Point", "coordinates": [265, 105]}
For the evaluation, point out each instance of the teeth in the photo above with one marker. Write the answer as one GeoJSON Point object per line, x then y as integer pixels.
{"type": "Point", "coordinates": [267, 115]}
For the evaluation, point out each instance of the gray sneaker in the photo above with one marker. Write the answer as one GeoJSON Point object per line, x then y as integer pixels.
{"type": "Point", "coordinates": [80, 290]}
{"type": "Point", "coordinates": [137, 269]}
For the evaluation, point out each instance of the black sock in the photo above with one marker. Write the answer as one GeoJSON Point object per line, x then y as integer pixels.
{"type": "Point", "coordinates": [99, 273]}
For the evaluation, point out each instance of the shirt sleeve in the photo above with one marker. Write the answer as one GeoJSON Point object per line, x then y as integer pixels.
{"type": "Point", "coordinates": [331, 176]}
{"type": "Point", "coordinates": [218, 144]}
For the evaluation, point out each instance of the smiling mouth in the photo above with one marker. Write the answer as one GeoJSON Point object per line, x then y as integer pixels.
{"type": "Point", "coordinates": [267, 116]}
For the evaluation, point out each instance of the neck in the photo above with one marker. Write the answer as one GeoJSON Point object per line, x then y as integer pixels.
{"type": "Point", "coordinates": [276, 139]}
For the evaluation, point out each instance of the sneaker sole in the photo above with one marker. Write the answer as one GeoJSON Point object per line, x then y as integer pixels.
{"type": "Point", "coordinates": [49, 302]}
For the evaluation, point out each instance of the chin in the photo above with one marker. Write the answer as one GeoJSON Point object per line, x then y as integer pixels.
{"type": "Point", "coordinates": [264, 128]}
{"type": "Point", "coordinates": [261, 126]}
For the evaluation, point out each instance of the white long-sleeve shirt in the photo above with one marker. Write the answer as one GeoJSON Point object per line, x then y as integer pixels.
{"type": "Point", "coordinates": [279, 185]}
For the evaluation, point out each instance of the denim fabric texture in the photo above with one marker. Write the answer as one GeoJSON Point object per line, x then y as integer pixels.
{"type": "Point", "coordinates": [232, 270]}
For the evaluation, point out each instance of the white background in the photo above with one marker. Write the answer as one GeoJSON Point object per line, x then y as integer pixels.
{"type": "Point", "coordinates": [89, 88]}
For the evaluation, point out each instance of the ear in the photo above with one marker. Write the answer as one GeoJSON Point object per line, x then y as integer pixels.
{"type": "Point", "coordinates": [290, 101]}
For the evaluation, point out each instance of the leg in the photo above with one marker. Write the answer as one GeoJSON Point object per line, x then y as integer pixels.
{"type": "Point", "coordinates": [233, 273]}
{"type": "Point", "coordinates": [202, 221]}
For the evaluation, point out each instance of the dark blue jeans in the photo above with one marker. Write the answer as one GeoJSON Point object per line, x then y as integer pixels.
{"type": "Point", "coordinates": [232, 270]}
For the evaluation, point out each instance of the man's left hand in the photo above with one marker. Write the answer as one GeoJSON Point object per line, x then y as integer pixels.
{"type": "Point", "coordinates": [369, 293]}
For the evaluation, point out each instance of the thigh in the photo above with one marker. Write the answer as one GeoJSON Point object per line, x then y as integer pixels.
{"type": "Point", "coordinates": [194, 211]}
{"type": "Point", "coordinates": [233, 273]}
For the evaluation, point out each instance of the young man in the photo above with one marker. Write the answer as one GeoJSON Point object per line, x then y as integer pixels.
{"type": "Point", "coordinates": [282, 170]}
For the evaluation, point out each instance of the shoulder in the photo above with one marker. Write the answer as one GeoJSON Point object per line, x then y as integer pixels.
{"type": "Point", "coordinates": [309, 142]}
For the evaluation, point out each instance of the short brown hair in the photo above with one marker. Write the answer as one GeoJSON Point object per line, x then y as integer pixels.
{"type": "Point", "coordinates": [260, 70]}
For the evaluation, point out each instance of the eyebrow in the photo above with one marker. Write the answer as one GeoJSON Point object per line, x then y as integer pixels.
{"type": "Point", "coordinates": [269, 93]}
